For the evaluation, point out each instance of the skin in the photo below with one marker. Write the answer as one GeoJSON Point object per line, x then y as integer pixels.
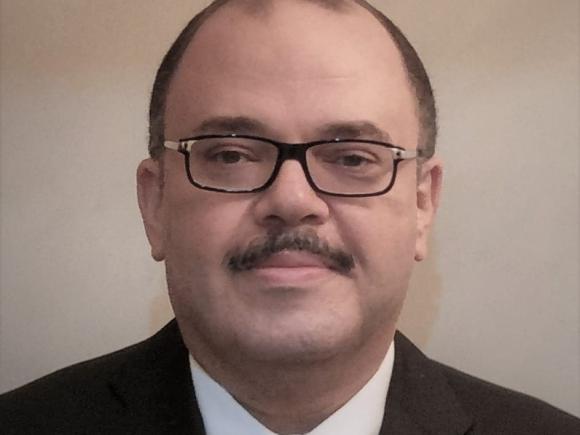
{"type": "Point", "coordinates": [293, 340]}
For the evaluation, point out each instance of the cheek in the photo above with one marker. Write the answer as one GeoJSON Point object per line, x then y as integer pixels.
{"type": "Point", "coordinates": [381, 233]}
{"type": "Point", "coordinates": [202, 226]}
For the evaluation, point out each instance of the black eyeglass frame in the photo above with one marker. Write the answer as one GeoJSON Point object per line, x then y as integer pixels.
{"type": "Point", "coordinates": [291, 151]}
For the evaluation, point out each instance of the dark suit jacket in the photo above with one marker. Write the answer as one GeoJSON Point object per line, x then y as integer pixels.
{"type": "Point", "coordinates": [147, 389]}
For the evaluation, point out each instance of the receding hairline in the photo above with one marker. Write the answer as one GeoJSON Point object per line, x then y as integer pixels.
{"type": "Point", "coordinates": [262, 7]}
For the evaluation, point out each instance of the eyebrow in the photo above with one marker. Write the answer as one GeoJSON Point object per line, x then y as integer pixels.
{"type": "Point", "coordinates": [354, 130]}
{"type": "Point", "coordinates": [246, 125]}
{"type": "Point", "coordinates": [232, 124]}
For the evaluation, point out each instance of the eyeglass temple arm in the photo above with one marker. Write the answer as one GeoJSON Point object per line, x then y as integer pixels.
{"type": "Point", "coordinates": [409, 154]}
{"type": "Point", "coordinates": [176, 146]}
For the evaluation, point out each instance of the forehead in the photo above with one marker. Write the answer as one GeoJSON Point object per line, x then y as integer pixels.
{"type": "Point", "coordinates": [295, 63]}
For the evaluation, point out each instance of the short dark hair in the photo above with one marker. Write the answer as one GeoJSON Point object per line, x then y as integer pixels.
{"type": "Point", "coordinates": [417, 74]}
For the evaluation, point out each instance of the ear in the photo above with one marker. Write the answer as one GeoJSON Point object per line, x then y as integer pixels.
{"type": "Point", "coordinates": [430, 177]}
{"type": "Point", "coordinates": [150, 196]}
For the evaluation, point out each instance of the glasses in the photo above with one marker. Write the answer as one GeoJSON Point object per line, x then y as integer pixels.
{"type": "Point", "coordinates": [244, 164]}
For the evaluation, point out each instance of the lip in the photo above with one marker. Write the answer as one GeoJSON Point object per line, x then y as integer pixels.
{"type": "Point", "coordinates": [292, 260]}
{"type": "Point", "coordinates": [288, 267]}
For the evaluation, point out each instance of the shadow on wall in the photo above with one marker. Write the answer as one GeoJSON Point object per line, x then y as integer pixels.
{"type": "Point", "coordinates": [421, 308]}
{"type": "Point", "coordinates": [417, 319]}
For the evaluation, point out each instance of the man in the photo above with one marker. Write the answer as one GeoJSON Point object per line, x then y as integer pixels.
{"type": "Point", "coordinates": [291, 187]}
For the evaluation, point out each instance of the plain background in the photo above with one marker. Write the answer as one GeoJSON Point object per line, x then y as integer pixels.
{"type": "Point", "coordinates": [498, 298]}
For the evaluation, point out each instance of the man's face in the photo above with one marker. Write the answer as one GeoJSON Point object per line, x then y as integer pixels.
{"type": "Point", "coordinates": [293, 72]}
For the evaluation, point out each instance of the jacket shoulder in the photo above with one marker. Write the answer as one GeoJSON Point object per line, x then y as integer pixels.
{"type": "Point", "coordinates": [501, 410]}
{"type": "Point", "coordinates": [486, 408]}
{"type": "Point", "coordinates": [83, 393]}
{"type": "Point", "coordinates": [75, 378]}
{"type": "Point", "coordinates": [498, 410]}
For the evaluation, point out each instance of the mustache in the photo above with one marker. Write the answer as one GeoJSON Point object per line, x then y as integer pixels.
{"type": "Point", "coordinates": [258, 250]}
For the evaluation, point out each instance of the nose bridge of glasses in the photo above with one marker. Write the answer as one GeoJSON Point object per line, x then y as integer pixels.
{"type": "Point", "coordinates": [290, 151]}
{"type": "Point", "coordinates": [293, 152]}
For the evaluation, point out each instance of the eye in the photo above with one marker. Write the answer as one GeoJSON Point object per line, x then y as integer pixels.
{"type": "Point", "coordinates": [229, 156]}
{"type": "Point", "coordinates": [352, 160]}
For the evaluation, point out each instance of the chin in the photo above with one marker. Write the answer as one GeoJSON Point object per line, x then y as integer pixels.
{"type": "Point", "coordinates": [282, 324]}
{"type": "Point", "coordinates": [300, 338]}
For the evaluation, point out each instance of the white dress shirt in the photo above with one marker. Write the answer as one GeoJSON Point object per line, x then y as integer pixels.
{"type": "Point", "coordinates": [361, 415]}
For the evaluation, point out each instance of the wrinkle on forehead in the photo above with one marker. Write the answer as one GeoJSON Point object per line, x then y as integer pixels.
{"type": "Point", "coordinates": [291, 77]}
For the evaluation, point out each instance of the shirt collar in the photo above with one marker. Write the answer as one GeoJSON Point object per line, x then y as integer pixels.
{"type": "Point", "coordinates": [362, 414]}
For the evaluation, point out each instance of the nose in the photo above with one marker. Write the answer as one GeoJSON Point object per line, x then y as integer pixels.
{"type": "Point", "coordinates": [290, 201]}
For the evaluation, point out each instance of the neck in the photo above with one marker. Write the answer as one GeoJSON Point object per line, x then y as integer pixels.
{"type": "Point", "coordinates": [294, 397]}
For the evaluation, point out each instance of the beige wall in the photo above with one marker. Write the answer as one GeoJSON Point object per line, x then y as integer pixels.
{"type": "Point", "coordinates": [500, 295]}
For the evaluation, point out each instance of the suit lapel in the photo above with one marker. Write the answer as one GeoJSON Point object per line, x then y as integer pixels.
{"type": "Point", "coordinates": [156, 390]}
{"type": "Point", "coordinates": [420, 400]}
